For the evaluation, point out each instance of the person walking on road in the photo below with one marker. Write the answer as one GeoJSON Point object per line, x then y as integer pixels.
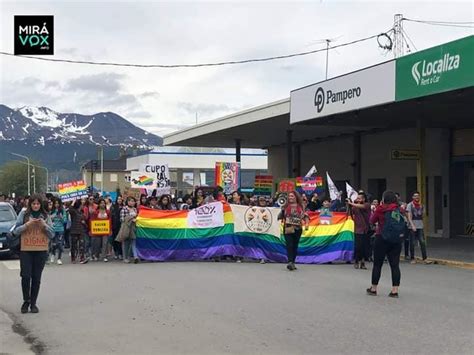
{"type": "Point", "coordinates": [294, 218]}
{"type": "Point", "coordinates": [77, 233]}
{"type": "Point", "coordinates": [59, 220]}
{"type": "Point", "coordinates": [360, 212]}
{"type": "Point", "coordinates": [34, 228]}
{"type": "Point", "coordinates": [415, 212]}
{"type": "Point", "coordinates": [100, 242]}
{"type": "Point", "coordinates": [128, 218]}
{"type": "Point", "coordinates": [388, 241]}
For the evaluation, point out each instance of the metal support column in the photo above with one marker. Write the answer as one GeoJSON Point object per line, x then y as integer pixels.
{"type": "Point", "coordinates": [238, 145]}
{"type": "Point", "coordinates": [420, 171]}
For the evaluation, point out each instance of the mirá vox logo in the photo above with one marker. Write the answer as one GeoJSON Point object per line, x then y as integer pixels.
{"type": "Point", "coordinates": [429, 72]}
{"type": "Point", "coordinates": [34, 35]}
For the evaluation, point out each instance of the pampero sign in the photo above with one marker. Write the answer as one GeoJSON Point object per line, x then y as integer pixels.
{"type": "Point", "coordinates": [438, 69]}
{"type": "Point", "coordinates": [364, 88]}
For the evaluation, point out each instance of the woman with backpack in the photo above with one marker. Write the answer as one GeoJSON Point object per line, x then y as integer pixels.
{"type": "Point", "coordinates": [34, 228]}
{"type": "Point", "coordinates": [388, 241]}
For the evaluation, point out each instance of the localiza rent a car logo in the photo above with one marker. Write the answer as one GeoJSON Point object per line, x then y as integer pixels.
{"type": "Point", "coordinates": [34, 35]}
{"type": "Point", "coordinates": [431, 71]}
{"type": "Point", "coordinates": [322, 98]}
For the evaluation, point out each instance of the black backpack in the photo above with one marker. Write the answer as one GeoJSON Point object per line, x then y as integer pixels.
{"type": "Point", "coordinates": [394, 226]}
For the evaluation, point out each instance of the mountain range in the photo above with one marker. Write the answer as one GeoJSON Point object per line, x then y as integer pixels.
{"type": "Point", "coordinates": [66, 140]}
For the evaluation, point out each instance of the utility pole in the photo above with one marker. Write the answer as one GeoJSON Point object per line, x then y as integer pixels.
{"type": "Point", "coordinates": [102, 170]}
{"type": "Point", "coordinates": [34, 179]}
{"type": "Point", "coordinates": [398, 49]}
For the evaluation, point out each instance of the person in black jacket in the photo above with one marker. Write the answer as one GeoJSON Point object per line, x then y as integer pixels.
{"type": "Point", "coordinates": [116, 224]}
{"type": "Point", "coordinates": [315, 204]}
{"type": "Point", "coordinates": [77, 233]}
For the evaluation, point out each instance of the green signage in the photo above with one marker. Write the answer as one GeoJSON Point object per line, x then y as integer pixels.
{"type": "Point", "coordinates": [442, 68]}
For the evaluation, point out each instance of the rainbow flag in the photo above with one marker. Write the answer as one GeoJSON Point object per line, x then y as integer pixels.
{"type": "Point", "coordinates": [164, 236]}
{"type": "Point", "coordinates": [227, 176]}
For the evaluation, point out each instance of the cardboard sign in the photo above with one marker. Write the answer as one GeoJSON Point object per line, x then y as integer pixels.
{"type": "Point", "coordinates": [161, 175]}
{"type": "Point", "coordinates": [34, 238]}
{"type": "Point", "coordinates": [227, 176]}
{"type": "Point", "coordinates": [100, 227]}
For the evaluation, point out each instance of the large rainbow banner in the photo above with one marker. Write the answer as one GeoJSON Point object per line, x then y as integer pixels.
{"type": "Point", "coordinates": [165, 236]}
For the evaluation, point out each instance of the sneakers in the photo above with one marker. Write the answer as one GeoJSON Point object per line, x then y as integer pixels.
{"type": "Point", "coordinates": [356, 265]}
{"type": "Point", "coordinates": [136, 261]}
{"type": "Point", "coordinates": [106, 260]}
{"type": "Point", "coordinates": [94, 258]}
{"type": "Point", "coordinates": [371, 292]}
{"type": "Point", "coordinates": [59, 262]}
{"type": "Point", "coordinates": [126, 261]}
{"type": "Point", "coordinates": [291, 266]}
{"type": "Point", "coordinates": [262, 261]}
{"type": "Point", "coordinates": [427, 262]}
{"type": "Point", "coordinates": [362, 266]}
{"type": "Point", "coordinates": [393, 295]}
{"type": "Point", "coordinates": [238, 261]}
{"type": "Point", "coordinates": [85, 261]}
{"type": "Point", "coordinates": [34, 309]}
{"type": "Point", "coordinates": [24, 307]}
{"type": "Point", "coordinates": [413, 261]}
{"type": "Point", "coordinates": [51, 260]}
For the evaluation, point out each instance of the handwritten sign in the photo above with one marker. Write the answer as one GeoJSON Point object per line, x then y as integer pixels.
{"type": "Point", "coordinates": [34, 239]}
{"type": "Point", "coordinates": [161, 173]}
{"type": "Point", "coordinates": [100, 227]}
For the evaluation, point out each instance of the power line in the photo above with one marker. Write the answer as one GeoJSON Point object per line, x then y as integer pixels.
{"type": "Point", "coordinates": [172, 66]}
{"type": "Point", "coordinates": [443, 23]}
{"type": "Point", "coordinates": [405, 34]}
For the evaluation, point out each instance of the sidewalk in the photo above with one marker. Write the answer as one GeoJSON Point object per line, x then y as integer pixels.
{"type": "Point", "coordinates": [453, 251]}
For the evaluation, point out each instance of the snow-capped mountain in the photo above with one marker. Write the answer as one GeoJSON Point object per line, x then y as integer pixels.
{"type": "Point", "coordinates": [41, 125]}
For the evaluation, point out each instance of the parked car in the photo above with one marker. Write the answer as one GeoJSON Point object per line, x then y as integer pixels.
{"type": "Point", "coordinates": [7, 223]}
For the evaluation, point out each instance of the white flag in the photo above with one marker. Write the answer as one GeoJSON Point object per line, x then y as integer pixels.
{"type": "Point", "coordinates": [313, 171]}
{"type": "Point", "coordinates": [351, 192]}
{"type": "Point", "coordinates": [333, 192]}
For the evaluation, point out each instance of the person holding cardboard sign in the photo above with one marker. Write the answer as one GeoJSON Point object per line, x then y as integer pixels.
{"type": "Point", "coordinates": [100, 230]}
{"type": "Point", "coordinates": [34, 228]}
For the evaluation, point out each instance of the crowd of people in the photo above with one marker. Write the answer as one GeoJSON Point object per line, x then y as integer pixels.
{"type": "Point", "coordinates": [380, 228]}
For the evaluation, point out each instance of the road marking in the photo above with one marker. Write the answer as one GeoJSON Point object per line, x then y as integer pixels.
{"type": "Point", "coordinates": [12, 264]}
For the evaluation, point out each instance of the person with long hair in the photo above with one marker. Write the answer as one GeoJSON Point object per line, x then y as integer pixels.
{"type": "Point", "coordinates": [294, 219]}
{"type": "Point", "coordinates": [100, 243]}
{"type": "Point", "coordinates": [116, 224]}
{"type": "Point", "coordinates": [78, 232]}
{"type": "Point", "coordinates": [59, 219]}
{"type": "Point", "coordinates": [165, 203]}
{"type": "Point", "coordinates": [387, 214]}
{"type": "Point", "coordinates": [128, 215]}
{"type": "Point", "coordinates": [33, 223]}
{"type": "Point", "coordinates": [360, 213]}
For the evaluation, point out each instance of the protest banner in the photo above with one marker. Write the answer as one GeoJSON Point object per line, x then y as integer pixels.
{"type": "Point", "coordinates": [263, 185]}
{"type": "Point", "coordinates": [309, 185]}
{"type": "Point", "coordinates": [161, 174]}
{"type": "Point", "coordinates": [140, 180]}
{"type": "Point", "coordinates": [254, 219]}
{"type": "Point", "coordinates": [34, 238]}
{"type": "Point", "coordinates": [227, 176]}
{"type": "Point", "coordinates": [100, 227]}
{"type": "Point", "coordinates": [165, 235]}
{"type": "Point", "coordinates": [286, 185]}
{"type": "Point", "coordinates": [207, 216]}
{"type": "Point", "coordinates": [71, 191]}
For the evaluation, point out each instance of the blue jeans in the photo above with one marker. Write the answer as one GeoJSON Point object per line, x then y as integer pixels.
{"type": "Point", "coordinates": [129, 247]}
{"type": "Point", "coordinates": [57, 244]}
{"type": "Point", "coordinates": [420, 237]}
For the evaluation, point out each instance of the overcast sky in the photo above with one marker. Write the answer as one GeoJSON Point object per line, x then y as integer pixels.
{"type": "Point", "coordinates": [145, 32]}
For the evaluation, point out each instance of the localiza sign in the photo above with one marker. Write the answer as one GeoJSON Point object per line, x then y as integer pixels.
{"type": "Point", "coordinates": [441, 68]}
{"type": "Point", "coordinates": [364, 88]}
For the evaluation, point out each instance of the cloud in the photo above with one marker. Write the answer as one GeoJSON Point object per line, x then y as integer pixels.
{"type": "Point", "coordinates": [102, 82]}
{"type": "Point", "coordinates": [204, 109]}
{"type": "Point", "coordinates": [140, 114]}
{"type": "Point", "coordinates": [149, 94]}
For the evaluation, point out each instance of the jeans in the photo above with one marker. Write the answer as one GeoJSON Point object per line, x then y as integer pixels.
{"type": "Point", "coordinates": [99, 246]}
{"type": "Point", "coordinates": [406, 241]}
{"type": "Point", "coordinates": [57, 244]}
{"type": "Point", "coordinates": [383, 248]}
{"type": "Point", "coordinates": [129, 247]}
{"type": "Point", "coordinates": [361, 247]}
{"type": "Point", "coordinates": [77, 247]}
{"type": "Point", "coordinates": [31, 267]}
{"type": "Point", "coordinates": [292, 240]}
{"type": "Point", "coordinates": [420, 237]}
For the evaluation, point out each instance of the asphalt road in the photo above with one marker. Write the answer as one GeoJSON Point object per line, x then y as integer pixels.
{"type": "Point", "coordinates": [248, 308]}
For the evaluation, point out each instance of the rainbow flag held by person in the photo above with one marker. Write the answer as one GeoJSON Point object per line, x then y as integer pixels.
{"type": "Point", "coordinates": [227, 176]}
{"type": "Point", "coordinates": [165, 236]}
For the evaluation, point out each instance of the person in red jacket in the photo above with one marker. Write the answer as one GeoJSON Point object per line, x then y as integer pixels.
{"type": "Point", "coordinates": [384, 248]}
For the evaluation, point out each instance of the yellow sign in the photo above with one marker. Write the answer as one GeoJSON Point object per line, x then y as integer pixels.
{"type": "Point", "coordinates": [100, 227]}
{"type": "Point", "coordinates": [34, 239]}
{"type": "Point", "coordinates": [405, 154]}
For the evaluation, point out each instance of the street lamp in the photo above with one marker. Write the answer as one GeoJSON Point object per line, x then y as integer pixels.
{"type": "Point", "coordinates": [29, 176]}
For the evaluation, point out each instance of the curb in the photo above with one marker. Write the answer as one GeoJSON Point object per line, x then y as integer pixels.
{"type": "Point", "coordinates": [461, 264]}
